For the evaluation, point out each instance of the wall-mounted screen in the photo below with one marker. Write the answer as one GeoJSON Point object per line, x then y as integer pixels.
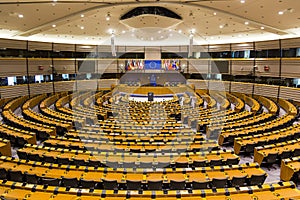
{"type": "Point", "coordinates": [153, 64]}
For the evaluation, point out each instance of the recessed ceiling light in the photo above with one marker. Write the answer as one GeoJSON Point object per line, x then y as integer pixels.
{"type": "Point", "coordinates": [243, 1]}
{"type": "Point", "coordinates": [111, 31]}
{"type": "Point", "coordinates": [107, 17]}
{"type": "Point", "coordinates": [82, 15]}
{"type": "Point", "coordinates": [54, 0]}
{"type": "Point", "coordinates": [81, 27]}
{"type": "Point", "coordinates": [280, 13]}
{"type": "Point", "coordinates": [262, 27]}
{"type": "Point", "coordinates": [123, 31]}
{"type": "Point", "coordinates": [20, 15]}
{"type": "Point", "coordinates": [246, 23]}
{"type": "Point", "coordinates": [221, 26]}
{"type": "Point", "coordinates": [179, 31]}
{"type": "Point", "coordinates": [193, 31]}
{"type": "Point", "coordinates": [215, 13]}
{"type": "Point", "coordinates": [151, 38]}
{"type": "Point", "coordinates": [53, 25]}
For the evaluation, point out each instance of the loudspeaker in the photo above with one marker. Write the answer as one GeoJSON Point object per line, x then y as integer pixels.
{"type": "Point", "coordinates": [150, 96]}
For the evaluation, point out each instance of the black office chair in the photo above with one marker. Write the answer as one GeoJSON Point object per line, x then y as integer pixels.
{"type": "Point", "coordinates": [87, 183]}
{"type": "Point", "coordinates": [21, 141]}
{"type": "Point", "coordinates": [70, 182]}
{"type": "Point", "coordinates": [63, 161]}
{"type": "Point", "coordinates": [203, 184]}
{"type": "Point", "coordinates": [22, 155]}
{"type": "Point", "coordinates": [146, 164]}
{"type": "Point", "coordinates": [50, 181]}
{"type": "Point", "coordinates": [15, 175]}
{"type": "Point", "coordinates": [217, 162]}
{"type": "Point", "coordinates": [31, 178]}
{"type": "Point", "coordinates": [249, 148]}
{"type": "Point", "coordinates": [181, 164]}
{"type": "Point", "coordinates": [219, 182]}
{"type": "Point", "coordinates": [271, 158]}
{"type": "Point", "coordinates": [109, 184]}
{"type": "Point", "coordinates": [238, 181]}
{"type": "Point", "coordinates": [3, 173]}
{"type": "Point", "coordinates": [133, 185]}
{"type": "Point", "coordinates": [257, 179]}
{"type": "Point", "coordinates": [177, 185]}
{"type": "Point", "coordinates": [48, 159]}
{"type": "Point", "coordinates": [79, 162]}
{"type": "Point", "coordinates": [199, 163]}
{"type": "Point", "coordinates": [128, 164]}
{"type": "Point", "coordinates": [296, 153]}
{"type": "Point", "coordinates": [232, 161]}
{"type": "Point", "coordinates": [155, 185]}
{"type": "Point", "coordinates": [33, 157]}
{"type": "Point", "coordinates": [95, 163]}
{"type": "Point", "coordinates": [285, 154]}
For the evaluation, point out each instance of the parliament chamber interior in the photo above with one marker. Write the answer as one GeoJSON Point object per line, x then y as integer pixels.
{"type": "Point", "coordinates": [144, 100]}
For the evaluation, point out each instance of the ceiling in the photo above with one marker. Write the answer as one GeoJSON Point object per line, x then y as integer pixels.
{"type": "Point", "coordinates": [206, 21]}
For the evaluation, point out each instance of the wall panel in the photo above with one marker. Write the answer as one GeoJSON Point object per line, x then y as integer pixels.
{"type": "Point", "coordinates": [240, 87]}
{"type": "Point", "coordinates": [12, 67]}
{"type": "Point", "coordinates": [266, 90]}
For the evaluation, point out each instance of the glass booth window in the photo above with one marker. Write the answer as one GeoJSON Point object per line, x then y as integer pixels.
{"type": "Point", "coordinates": [39, 78]}
{"type": "Point", "coordinates": [12, 80]}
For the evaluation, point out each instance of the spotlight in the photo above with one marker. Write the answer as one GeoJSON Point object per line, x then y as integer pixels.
{"type": "Point", "coordinates": [107, 17]}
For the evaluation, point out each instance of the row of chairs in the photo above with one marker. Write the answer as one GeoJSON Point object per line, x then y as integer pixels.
{"type": "Point", "coordinates": [275, 152]}
{"type": "Point", "coordinates": [13, 190]}
{"type": "Point", "coordinates": [185, 160]}
{"type": "Point", "coordinates": [248, 143]}
{"type": "Point", "coordinates": [271, 125]}
{"type": "Point", "coordinates": [112, 184]}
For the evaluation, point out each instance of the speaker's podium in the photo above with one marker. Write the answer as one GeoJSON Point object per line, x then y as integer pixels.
{"type": "Point", "coordinates": [150, 96]}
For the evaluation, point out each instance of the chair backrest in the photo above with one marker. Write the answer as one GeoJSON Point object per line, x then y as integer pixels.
{"type": "Point", "coordinates": [155, 185]}
{"type": "Point", "coordinates": [22, 155]}
{"type": "Point", "coordinates": [216, 162]}
{"type": "Point", "coordinates": [49, 159]}
{"type": "Point", "coordinates": [110, 184]}
{"type": "Point", "coordinates": [238, 181]}
{"type": "Point", "coordinates": [31, 178]}
{"type": "Point", "coordinates": [50, 181]}
{"type": "Point", "coordinates": [177, 185]}
{"type": "Point", "coordinates": [200, 184]}
{"type": "Point", "coordinates": [87, 183]}
{"type": "Point", "coordinates": [133, 185]}
{"type": "Point", "coordinates": [63, 161]}
{"type": "Point", "coordinates": [3, 173]}
{"type": "Point", "coordinates": [257, 179]}
{"type": "Point", "coordinates": [70, 182]}
{"type": "Point", "coordinates": [198, 163]}
{"type": "Point", "coordinates": [79, 162]}
{"type": "Point", "coordinates": [232, 161]}
{"type": "Point", "coordinates": [219, 182]}
{"type": "Point", "coordinates": [15, 176]}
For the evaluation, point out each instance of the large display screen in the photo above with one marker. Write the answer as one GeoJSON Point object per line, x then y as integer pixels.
{"type": "Point", "coordinates": [153, 64]}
